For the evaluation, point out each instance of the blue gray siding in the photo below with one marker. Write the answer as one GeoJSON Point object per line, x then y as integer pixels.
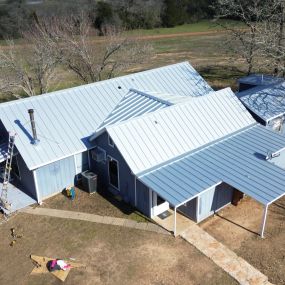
{"type": "Point", "coordinates": [279, 160]}
{"type": "Point", "coordinates": [143, 198]}
{"type": "Point", "coordinates": [126, 179]}
{"type": "Point", "coordinates": [54, 177]}
{"type": "Point", "coordinates": [189, 209]}
{"type": "Point", "coordinates": [214, 199]}
{"type": "Point", "coordinates": [26, 178]}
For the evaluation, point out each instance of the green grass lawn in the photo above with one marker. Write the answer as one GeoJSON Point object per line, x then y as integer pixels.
{"type": "Point", "coordinates": [201, 26]}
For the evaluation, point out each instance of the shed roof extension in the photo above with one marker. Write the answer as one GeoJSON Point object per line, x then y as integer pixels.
{"type": "Point", "coordinates": [267, 102]}
{"type": "Point", "coordinates": [66, 119]}
{"type": "Point", "coordinates": [238, 160]}
{"type": "Point", "coordinates": [154, 138]}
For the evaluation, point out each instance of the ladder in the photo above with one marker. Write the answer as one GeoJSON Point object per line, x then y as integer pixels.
{"type": "Point", "coordinates": [4, 203]}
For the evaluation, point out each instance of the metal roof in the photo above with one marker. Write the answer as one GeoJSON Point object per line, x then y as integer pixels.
{"type": "Point", "coordinates": [66, 119]}
{"type": "Point", "coordinates": [134, 104]}
{"type": "Point", "coordinates": [170, 99]}
{"type": "Point", "coordinates": [238, 161]}
{"type": "Point", "coordinates": [260, 79]}
{"type": "Point", "coordinates": [151, 139]}
{"type": "Point", "coordinates": [266, 102]}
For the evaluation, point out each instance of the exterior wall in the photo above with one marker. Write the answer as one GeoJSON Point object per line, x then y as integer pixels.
{"type": "Point", "coordinates": [81, 161]}
{"type": "Point", "coordinates": [126, 178]}
{"type": "Point", "coordinates": [279, 160]}
{"type": "Point", "coordinates": [54, 177]}
{"type": "Point", "coordinates": [213, 200]}
{"type": "Point", "coordinates": [26, 178]}
{"type": "Point", "coordinates": [189, 209]}
{"type": "Point", "coordinates": [143, 199]}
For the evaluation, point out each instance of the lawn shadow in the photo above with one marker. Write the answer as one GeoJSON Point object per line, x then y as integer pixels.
{"type": "Point", "coordinates": [236, 224]}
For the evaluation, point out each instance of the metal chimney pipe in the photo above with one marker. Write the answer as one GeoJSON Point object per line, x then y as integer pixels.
{"type": "Point", "coordinates": [33, 124]}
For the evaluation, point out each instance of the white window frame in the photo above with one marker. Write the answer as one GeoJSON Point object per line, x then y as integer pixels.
{"type": "Point", "coordinates": [110, 158]}
{"type": "Point", "coordinates": [110, 141]}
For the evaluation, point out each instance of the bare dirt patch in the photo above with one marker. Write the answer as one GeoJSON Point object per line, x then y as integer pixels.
{"type": "Point", "coordinates": [102, 203]}
{"type": "Point", "coordinates": [238, 228]}
{"type": "Point", "coordinates": [113, 255]}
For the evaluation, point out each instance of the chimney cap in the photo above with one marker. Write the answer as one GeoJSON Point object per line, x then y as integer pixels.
{"type": "Point", "coordinates": [31, 111]}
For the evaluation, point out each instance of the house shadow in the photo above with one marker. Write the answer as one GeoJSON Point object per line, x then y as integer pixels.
{"type": "Point", "coordinates": [236, 224]}
{"type": "Point", "coordinates": [115, 200]}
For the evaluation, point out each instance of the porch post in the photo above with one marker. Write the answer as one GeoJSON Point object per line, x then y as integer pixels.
{"type": "Point", "coordinates": [263, 221]}
{"type": "Point", "coordinates": [174, 222]}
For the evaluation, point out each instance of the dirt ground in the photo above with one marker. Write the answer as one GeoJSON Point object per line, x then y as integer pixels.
{"type": "Point", "coordinates": [238, 228]}
{"type": "Point", "coordinates": [102, 203]}
{"type": "Point", "coordinates": [113, 255]}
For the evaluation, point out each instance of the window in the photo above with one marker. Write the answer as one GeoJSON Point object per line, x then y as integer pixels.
{"type": "Point", "coordinates": [114, 173]}
{"type": "Point", "coordinates": [110, 141]}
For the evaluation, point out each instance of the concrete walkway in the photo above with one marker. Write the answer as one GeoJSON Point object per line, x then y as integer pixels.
{"type": "Point", "coordinates": [95, 219]}
{"type": "Point", "coordinates": [226, 259]}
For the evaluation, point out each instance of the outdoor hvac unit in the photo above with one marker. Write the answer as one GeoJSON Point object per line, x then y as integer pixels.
{"type": "Point", "coordinates": [98, 154]}
{"type": "Point", "coordinates": [89, 181]}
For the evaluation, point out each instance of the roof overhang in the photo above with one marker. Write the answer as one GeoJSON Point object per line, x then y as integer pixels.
{"type": "Point", "coordinates": [239, 161]}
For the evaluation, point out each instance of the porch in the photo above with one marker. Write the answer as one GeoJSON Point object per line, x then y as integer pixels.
{"type": "Point", "coordinates": [167, 221]}
{"type": "Point", "coordinates": [17, 198]}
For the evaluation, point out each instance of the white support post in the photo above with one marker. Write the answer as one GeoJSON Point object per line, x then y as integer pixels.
{"type": "Point", "coordinates": [198, 208]}
{"type": "Point", "coordinates": [174, 230]}
{"type": "Point", "coordinates": [263, 221]}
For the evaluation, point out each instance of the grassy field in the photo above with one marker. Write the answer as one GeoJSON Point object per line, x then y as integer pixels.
{"type": "Point", "coordinates": [199, 27]}
{"type": "Point", "coordinates": [206, 52]}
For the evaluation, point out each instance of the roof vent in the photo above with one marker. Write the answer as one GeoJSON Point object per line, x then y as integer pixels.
{"type": "Point", "coordinates": [33, 124]}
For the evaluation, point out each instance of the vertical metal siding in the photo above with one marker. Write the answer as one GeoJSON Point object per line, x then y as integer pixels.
{"type": "Point", "coordinates": [126, 179]}
{"type": "Point", "coordinates": [189, 209]}
{"type": "Point", "coordinates": [81, 162]}
{"type": "Point", "coordinates": [54, 177]}
{"type": "Point", "coordinates": [27, 179]}
{"type": "Point", "coordinates": [214, 199]}
{"type": "Point", "coordinates": [143, 198]}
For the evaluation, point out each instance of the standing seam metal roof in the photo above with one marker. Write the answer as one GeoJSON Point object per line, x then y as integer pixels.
{"type": "Point", "coordinates": [238, 161]}
{"type": "Point", "coordinates": [267, 102]}
{"type": "Point", "coordinates": [66, 119]}
{"type": "Point", "coordinates": [151, 139]}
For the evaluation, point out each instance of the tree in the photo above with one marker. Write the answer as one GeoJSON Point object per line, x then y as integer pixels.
{"type": "Point", "coordinates": [174, 12]}
{"type": "Point", "coordinates": [272, 34]}
{"type": "Point", "coordinates": [28, 74]}
{"type": "Point", "coordinates": [94, 59]}
{"type": "Point", "coordinates": [244, 41]}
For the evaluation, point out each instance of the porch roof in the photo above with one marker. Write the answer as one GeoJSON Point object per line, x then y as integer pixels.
{"type": "Point", "coordinates": [238, 160]}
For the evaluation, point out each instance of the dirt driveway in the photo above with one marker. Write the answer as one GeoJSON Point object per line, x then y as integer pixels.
{"type": "Point", "coordinates": [238, 228]}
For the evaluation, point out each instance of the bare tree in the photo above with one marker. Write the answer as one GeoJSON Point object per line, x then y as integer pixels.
{"type": "Point", "coordinates": [272, 37]}
{"type": "Point", "coordinates": [28, 71]}
{"type": "Point", "coordinates": [92, 58]}
{"type": "Point", "coordinates": [244, 41]}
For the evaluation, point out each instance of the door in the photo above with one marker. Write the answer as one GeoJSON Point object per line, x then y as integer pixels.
{"type": "Point", "coordinates": [159, 205]}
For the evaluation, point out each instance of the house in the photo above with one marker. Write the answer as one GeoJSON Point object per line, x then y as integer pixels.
{"type": "Point", "coordinates": [264, 97]}
{"type": "Point", "coordinates": [160, 139]}
{"type": "Point", "coordinates": [66, 119]}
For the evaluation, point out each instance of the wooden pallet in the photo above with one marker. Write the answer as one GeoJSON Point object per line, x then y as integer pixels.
{"type": "Point", "coordinates": [41, 267]}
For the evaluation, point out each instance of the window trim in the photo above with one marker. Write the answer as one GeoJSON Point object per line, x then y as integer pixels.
{"type": "Point", "coordinates": [110, 141]}
{"type": "Point", "coordinates": [110, 158]}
